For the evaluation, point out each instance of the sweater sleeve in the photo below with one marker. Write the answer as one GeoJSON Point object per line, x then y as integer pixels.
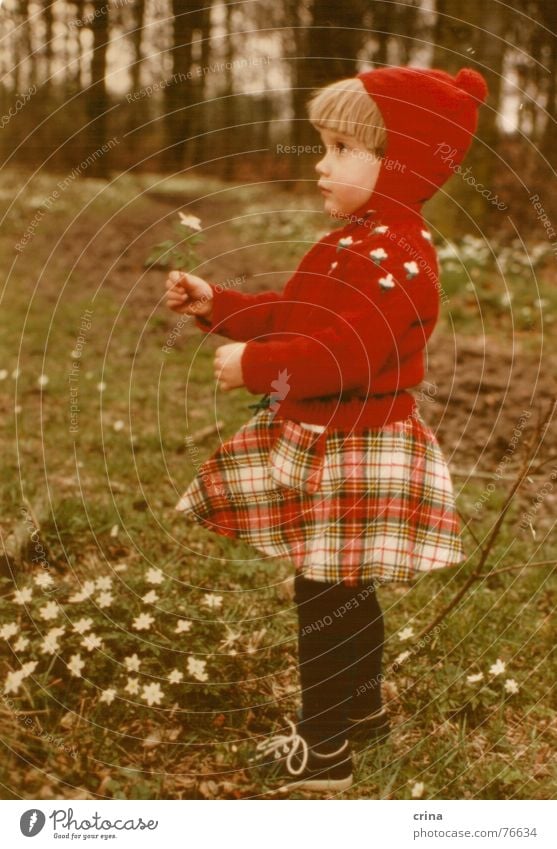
{"type": "Point", "coordinates": [238, 315]}
{"type": "Point", "coordinates": [386, 315]}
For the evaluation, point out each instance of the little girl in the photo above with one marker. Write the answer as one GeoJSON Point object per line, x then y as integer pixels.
{"type": "Point", "coordinates": [337, 470]}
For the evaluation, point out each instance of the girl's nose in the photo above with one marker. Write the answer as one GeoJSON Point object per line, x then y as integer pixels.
{"type": "Point", "coordinates": [321, 166]}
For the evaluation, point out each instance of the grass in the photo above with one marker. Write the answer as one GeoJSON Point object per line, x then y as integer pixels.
{"type": "Point", "coordinates": [104, 498]}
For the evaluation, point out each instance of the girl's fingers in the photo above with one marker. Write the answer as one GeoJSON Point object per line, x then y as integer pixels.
{"type": "Point", "coordinates": [176, 276]}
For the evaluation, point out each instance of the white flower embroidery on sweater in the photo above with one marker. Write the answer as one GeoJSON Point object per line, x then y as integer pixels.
{"type": "Point", "coordinates": [381, 228]}
{"type": "Point", "coordinates": [386, 282]}
{"type": "Point", "coordinates": [378, 255]}
{"type": "Point", "coordinates": [344, 242]}
{"type": "Point", "coordinates": [411, 269]}
{"type": "Point", "coordinates": [426, 234]}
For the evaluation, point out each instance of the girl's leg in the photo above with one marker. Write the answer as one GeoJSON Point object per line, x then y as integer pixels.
{"type": "Point", "coordinates": [368, 636]}
{"type": "Point", "coordinates": [325, 657]}
{"type": "Point", "coordinates": [340, 644]}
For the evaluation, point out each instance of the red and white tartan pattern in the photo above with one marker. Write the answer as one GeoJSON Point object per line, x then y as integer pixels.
{"type": "Point", "coordinates": [378, 504]}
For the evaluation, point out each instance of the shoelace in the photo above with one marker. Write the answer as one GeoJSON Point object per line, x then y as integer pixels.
{"type": "Point", "coordinates": [286, 744]}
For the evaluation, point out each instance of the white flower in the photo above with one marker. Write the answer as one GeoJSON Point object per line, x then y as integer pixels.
{"type": "Point", "coordinates": [104, 583]}
{"type": "Point", "coordinates": [191, 221]}
{"type": "Point", "coordinates": [511, 686]}
{"type": "Point", "coordinates": [406, 633]}
{"type": "Point", "coordinates": [426, 234]}
{"type": "Point", "coordinates": [21, 596]}
{"type": "Point", "coordinates": [3, 373]}
{"type": "Point", "coordinates": [378, 254]}
{"type": "Point", "coordinates": [154, 576]}
{"type": "Point", "coordinates": [212, 601]}
{"type": "Point", "coordinates": [175, 676]}
{"type": "Point", "coordinates": [13, 681]}
{"type": "Point", "coordinates": [43, 380]}
{"type": "Point", "coordinates": [50, 642]}
{"type": "Point", "coordinates": [50, 611]}
{"type": "Point", "coordinates": [91, 641]}
{"type": "Point", "coordinates": [196, 669]}
{"type": "Point", "coordinates": [82, 625]}
{"type": "Point", "coordinates": [402, 657]}
{"type": "Point", "coordinates": [386, 282]}
{"type": "Point", "coordinates": [43, 579]}
{"type": "Point", "coordinates": [9, 630]}
{"type": "Point", "coordinates": [381, 228]}
{"type": "Point", "coordinates": [107, 696]}
{"type": "Point", "coordinates": [76, 665]}
{"type": "Point", "coordinates": [86, 590]}
{"type": "Point", "coordinates": [183, 625]}
{"type": "Point", "coordinates": [473, 679]}
{"type": "Point", "coordinates": [411, 268]}
{"type": "Point", "coordinates": [417, 789]}
{"type": "Point", "coordinates": [20, 644]}
{"type": "Point", "coordinates": [498, 667]}
{"type": "Point", "coordinates": [152, 693]}
{"type": "Point", "coordinates": [231, 637]}
{"type": "Point", "coordinates": [132, 663]}
{"type": "Point", "coordinates": [150, 598]}
{"type": "Point", "coordinates": [143, 622]}
{"type": "Point", "coordinates": [132, 686]}
{"type": "Point", "coordinates": [101, 386]}
{"type": "Point", "coordinates": [104, 599]}
{"type": "Point", "coordinates": [114, 531]}
{"type": "Point", "coordinates": [118, 425]}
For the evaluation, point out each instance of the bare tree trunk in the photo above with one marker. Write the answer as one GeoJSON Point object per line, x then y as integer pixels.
{"type": "Point", "coordinates": [470, 33]}
{"type": "Point", "coordinates": [333, 42]}
{"type": "Point", "coordinates": [229, 101]}
{"type": "Point", "coordinates": [136, 109]}
{"type": "Point", "coordinates": [199, 152]}
{"type": "Point", "coordinates": [178, 91]}
{"type": "Point", "coordinates": [97, 98]}
{"type": "Point", "coordinates": [48, 23]}
{"type": "Point", "coordinates": [137, 36]}
{"type": "Point", "coordinates": [549, 139]}
{"type": "Point", "coordinates": [26, 50]}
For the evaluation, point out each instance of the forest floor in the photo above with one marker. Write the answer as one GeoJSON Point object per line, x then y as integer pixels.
{"type": "Point", "coordinates": [141, 658]}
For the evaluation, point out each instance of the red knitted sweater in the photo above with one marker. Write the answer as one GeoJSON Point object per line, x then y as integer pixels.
{"type": "Point", "coordinates": [349, 328]}
{"type": "Point", "coordinates": [344, 341]}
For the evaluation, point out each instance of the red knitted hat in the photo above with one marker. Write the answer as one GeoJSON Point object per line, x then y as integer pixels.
{"type": "Point", "coordinates": [430, 118]}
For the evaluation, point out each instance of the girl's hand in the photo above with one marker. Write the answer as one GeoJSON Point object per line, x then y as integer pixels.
{"type": "Point", "coordinates": [188, 294]}
{"type": "Point", "coordinates": [227, 365]}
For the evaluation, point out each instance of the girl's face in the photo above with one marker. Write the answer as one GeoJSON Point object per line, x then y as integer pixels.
{"type": "Point", "coordinates": [348, 173]}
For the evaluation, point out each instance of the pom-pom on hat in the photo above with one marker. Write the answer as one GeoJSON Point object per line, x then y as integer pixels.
{"type": "Point", "coordinates": [431, 118]}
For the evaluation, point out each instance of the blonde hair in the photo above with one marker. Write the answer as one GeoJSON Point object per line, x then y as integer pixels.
{"type": "Point", "coordinates": [346, 107]}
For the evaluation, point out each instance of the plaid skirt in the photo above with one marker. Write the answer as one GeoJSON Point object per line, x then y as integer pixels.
{"type": "Point", "coordinates": [342, 506]}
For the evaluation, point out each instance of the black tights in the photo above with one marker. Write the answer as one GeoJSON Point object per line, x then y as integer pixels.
{"type": "Point", "coordinates": [340, 646]}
